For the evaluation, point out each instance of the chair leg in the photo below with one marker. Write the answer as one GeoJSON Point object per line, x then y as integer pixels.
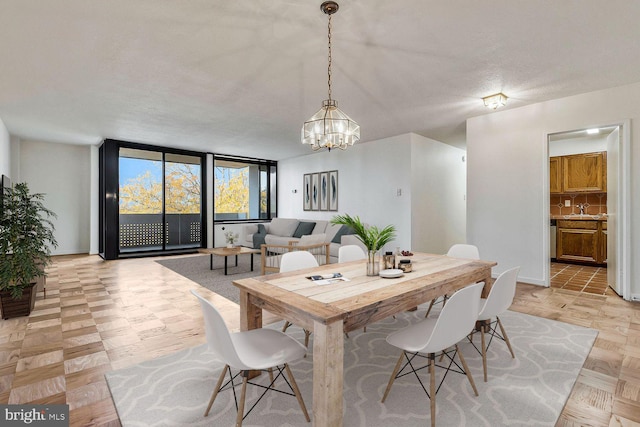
{"type": "Point", "coordinates": [466, 370]}
{"type": "Point", "coordinates": [216, 390]}
{"type": "Point", "coordinates": [243, 394]}
{"type": "Point", "coordinates": [393, 376]}
{"type": "Point", "coordinates": [484, 352]}
{"type": "Point", "coordinates": [286, 326]}
{"type": "Point", "coordinates": [306, 338]}
{"type": "Point", "coordinates": [506, 338]}
{"type": "Point", "coordinates": [270, 370]}
{"type": "Point", "coordinates": [296, 390]}
{"type": "Point", "coordinates": [433, 301]}
{"type": "Point", "coordinates": [432, 387]}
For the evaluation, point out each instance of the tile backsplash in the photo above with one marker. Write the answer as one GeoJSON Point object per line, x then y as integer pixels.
{"type": "Point", "coordinates": [595, 203]}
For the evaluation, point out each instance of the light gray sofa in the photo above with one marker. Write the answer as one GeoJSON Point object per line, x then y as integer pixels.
{"type": "Point", "coordinates": [281, 231]}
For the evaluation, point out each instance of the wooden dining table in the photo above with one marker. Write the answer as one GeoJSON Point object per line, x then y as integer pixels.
{"type": "Point", "coordinates": [330, 310]}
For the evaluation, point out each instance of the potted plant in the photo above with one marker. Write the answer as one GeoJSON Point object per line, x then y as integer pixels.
{"type": "Point", "coordinates": [372, 237]}
{"type": "Point", "coordinates": [26, 237]}
{"type": "Point", "coordinates": [231, 238]}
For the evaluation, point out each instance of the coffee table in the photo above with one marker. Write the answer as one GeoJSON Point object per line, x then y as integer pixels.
{"type": "Point", "coordinates": [227, 252]}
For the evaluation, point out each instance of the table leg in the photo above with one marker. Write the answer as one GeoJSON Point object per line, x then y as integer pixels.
{"type": "Point", "coordinates": [210, 261]}
{"type": "Point", "coordinates": [488, 282]}
{"type": "Point", "coordinates": [250, 318]}
{"type": "Point", "coordinates": [251, 261]}
{"type": "Point", "coordinates": [225, 265]}
{"type": "Point", "coordinates": [250, 315]}
{"type": "Point", "coordinates": [328, 350]}
{"type": "Point", "coordinates": [236, 260]}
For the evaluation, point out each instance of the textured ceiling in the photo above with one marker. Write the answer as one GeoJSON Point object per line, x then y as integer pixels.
{"type": "Point", "coordinates": [240, 77]}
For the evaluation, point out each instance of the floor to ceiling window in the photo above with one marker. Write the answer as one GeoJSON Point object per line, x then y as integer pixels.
{"type": "Point", "coordinates": [244, 189]}
{"type": "Point", "coordinates": [152, 199]}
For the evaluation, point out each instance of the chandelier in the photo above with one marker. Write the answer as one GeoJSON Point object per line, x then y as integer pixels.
{"type": "Point", "coordinates": [330, 127]}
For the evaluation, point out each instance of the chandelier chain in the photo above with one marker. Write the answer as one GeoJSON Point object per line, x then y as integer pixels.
{"type": "Point", "coordinates": [329, 68]}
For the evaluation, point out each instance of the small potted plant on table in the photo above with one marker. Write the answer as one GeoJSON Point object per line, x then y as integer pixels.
{"type": "Point", "coordinates": [231, 238]}
{"type": "Point", "coordinates": [372, 237]}
{"type": "Point", "coordinates": [26, 236]}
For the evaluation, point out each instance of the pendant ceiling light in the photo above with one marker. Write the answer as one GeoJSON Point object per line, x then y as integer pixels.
{"type": "Point", "coordinates": [330, 127]}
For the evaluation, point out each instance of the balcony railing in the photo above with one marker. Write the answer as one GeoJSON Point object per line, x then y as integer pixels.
{"type": "Point", "coordinates": [145, 231]}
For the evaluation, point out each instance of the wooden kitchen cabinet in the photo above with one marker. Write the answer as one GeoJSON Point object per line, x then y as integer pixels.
{"type": "Point", "coordinates": [584, 173]}
{"type": "Point", "coordinates": [555, 175]}
{"type": "Point", "coordinates": [578, 173]}
{"type": "Point", "coordinates": [581, 241]}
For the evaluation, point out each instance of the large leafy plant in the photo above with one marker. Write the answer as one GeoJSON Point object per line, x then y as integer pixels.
{"type": "Point", "coordinates": [26, 238]}
{"type": "Point", "coordinates": [372, 237]}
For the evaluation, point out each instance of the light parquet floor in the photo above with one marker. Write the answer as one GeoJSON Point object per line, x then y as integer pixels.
{"type": "Point", "coordinates": [105, 315]}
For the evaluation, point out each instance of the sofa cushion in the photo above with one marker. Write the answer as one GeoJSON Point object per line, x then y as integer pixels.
{"type": "Point", "coordinates": [304, 228]}
{"type": "Point", "coordinates": [272, 239]}
{"type": "Point", "coordinates": [283, 226]}
{"type": "Point", "coordinates": [321, 226]}
{"type": "Point", "coordinates": [311, 239]}
{"type": "Point", "coordinates": [344, 230]}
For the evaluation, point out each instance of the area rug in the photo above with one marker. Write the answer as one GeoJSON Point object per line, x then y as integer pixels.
{"type": "Point", "coordinates": [197, 268]}
{"type": "Point", "coordinates": [529, 390]}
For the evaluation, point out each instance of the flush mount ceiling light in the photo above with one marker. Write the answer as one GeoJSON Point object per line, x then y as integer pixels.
{"type": "Point", "coordinates": [330, 127]}
{"type": "Point", "coordinates": [495, 101]}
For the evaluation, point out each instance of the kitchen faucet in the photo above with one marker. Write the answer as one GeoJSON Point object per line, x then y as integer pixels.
{"type": "Point", "coordinates": [582, 208]}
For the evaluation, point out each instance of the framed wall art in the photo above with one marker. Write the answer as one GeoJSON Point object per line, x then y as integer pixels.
{"type": "Point", "coordinates": [333, 190]}
{"type": "Point", "coordinates": [306, 192]}
{"type": "Point", "coordinates": [315, 195]}
{"type": "Point", "coordinates": [324, 191]}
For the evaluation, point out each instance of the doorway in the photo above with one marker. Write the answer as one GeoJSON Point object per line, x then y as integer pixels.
{"type": "Point", "coordinates": [610, 207]}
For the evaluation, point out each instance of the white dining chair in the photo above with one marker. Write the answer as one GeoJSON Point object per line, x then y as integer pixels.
{"type": "Point", "coordinates": [257, 349]}
{"type": "Point", "coordinates": [436, 335]}
{"type": "Point", "coordinates": [348, 253]}
{"type": "Point", "coordinates": [459, 250]}
{"type": "Point", "coordinates": [297, 260]}
{"type": "Point", "coordinates": [499, 300]}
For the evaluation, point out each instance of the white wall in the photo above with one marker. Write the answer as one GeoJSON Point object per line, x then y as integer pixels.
{"type": "Point", "coordinates": [439, 176]}
{"type": "Point", "coordinates": [5, 151]}
{"type": "Point", "coordinates": [430, 212]}
{"type": "Point", "coordinates": [63, 173]}
{"type": "Point", "coordinates": [369, 175]}
{"type": "Point", "coordinates": [506, 175]}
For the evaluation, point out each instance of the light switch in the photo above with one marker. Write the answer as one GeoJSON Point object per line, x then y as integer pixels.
{"type": "Point", "coordinates": [567, 203]}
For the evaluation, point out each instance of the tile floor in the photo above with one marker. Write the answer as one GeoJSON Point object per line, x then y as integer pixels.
{"type": "Point", "coordinates": [581, 278]}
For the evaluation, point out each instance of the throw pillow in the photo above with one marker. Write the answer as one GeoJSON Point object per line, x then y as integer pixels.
{"type": "Point", "coordinates": [344, 230]}
{"type": "Point", "coordinates": [258, 238]}
{"type": "Point", "coordinates": [304, 228]}
{"type": "Point", "coordinates": [283, 226]}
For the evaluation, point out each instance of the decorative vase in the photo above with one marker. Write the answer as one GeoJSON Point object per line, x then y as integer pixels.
{"type": "Point", "coordinates": [373, 266]}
